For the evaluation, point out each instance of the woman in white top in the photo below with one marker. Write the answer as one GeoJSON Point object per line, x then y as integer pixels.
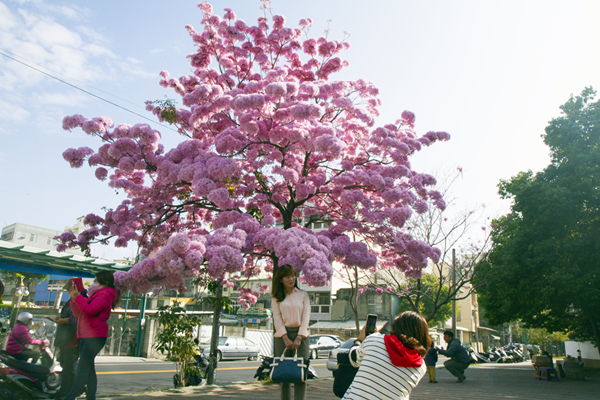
{"type": "Point", "coordinates": [291, 315]}
{"type": "Point", "coordinates": [390, 366]}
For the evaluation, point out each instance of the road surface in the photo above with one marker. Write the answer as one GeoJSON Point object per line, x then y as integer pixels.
{"type": "Point", "coordinates": [127, 378]}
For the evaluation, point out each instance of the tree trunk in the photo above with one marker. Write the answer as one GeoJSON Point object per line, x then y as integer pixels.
{"type": "Point", "coordinates": [354, 302]}
{"type": "Point", "coordinates": [214, 339]}
{"type": "Point", "coordinates": [596, 331]}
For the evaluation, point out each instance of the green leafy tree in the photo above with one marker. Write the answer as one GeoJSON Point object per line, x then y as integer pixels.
{"type": "Point", "coordinates": [543, 268]}
{"type": "Point", "coordinates": [542, 337]}
{"type": "Point", "coordinates": [426, 287]}
{"type": "Point", "coordinates": [176, 338]}
{"type": "Point", "coordinates": [28, 278]}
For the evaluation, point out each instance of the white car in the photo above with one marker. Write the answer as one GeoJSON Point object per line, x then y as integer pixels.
{"type": "Point", "coordinates": [232, 348]}
{"type": "Point", "coordinates": [332, 360]}
{"type": "Point", "coordinates": [321, 345]}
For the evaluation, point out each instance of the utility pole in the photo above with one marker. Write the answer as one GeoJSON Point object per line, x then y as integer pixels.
{"type": "Point", "coordinates": [141, 326]}
{"type": "Point", "coordinates": [454, 289]}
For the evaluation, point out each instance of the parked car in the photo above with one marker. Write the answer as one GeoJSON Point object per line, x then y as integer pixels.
{"type": "Point", "coordinates": [321, 345]}
{"type": "Point", "coordinates": [332, 360]}
{"type": "Point", "coordinates": [232, 348]}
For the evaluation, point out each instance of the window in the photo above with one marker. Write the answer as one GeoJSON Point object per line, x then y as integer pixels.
{"type": "Point", "coordinates": [240, 341]}
{"type": "Point", "coordinates": [8, 236]}
{"type": "Point", "coordinates": [33, 238]}
{"type": "Point", "coordinates": [320, 302]}
{"type": "Point", "coordinates": [249, 343]}
{"type": "Point", "coordinates": [374, 304]}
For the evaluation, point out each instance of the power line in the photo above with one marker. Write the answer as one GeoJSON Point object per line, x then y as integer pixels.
{"type": "Point", "coordinates": [70, 78]}
{"type": "Point", "coordinates": [85, 91]}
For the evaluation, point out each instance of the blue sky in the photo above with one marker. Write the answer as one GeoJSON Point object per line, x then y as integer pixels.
{"type": "Point", "coordinates": [492, 74]}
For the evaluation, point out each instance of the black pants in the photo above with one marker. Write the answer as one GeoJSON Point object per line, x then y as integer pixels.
{"type": "Point", "coordinates": [68, 362]}
{"type": "Point", "coordinates": [456, 368]}
{"type": "Point", "coordinates": [86, 371]}
{"type": "Point", "coordinates": [27, 354]}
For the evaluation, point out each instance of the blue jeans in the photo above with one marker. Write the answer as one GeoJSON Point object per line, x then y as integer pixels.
{"type": "Point", "coordinates": [86, 373]}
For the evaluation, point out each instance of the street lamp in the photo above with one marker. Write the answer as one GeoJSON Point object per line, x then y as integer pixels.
{"type": "Point", "coordinates": [21, 291]}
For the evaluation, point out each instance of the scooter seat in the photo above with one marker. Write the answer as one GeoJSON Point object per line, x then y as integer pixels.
{"type": "Point", "coordinates": [35, 370]}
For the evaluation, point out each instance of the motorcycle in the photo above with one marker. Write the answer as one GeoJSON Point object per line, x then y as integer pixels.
{"type": "Point", "coordinates": [477, 357]}
{"type": "Point", "coordinates": [195, 372]}
{"type": "Point", "coordinates": [20, 380]}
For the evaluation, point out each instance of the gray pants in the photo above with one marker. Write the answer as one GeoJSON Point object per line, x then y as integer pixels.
{"type": "Point", "coordinates": [456, 368]}
{"type": "Point", "coordinates": [303, 351]}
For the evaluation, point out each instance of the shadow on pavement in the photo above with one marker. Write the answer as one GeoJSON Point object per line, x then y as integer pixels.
{"type": "Point", "coordinates": [493, 382]}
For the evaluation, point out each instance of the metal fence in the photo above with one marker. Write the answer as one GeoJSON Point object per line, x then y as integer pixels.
{"type": "Point", "coordinates": [263, 338]}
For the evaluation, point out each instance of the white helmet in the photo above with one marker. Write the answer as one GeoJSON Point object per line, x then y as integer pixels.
{"type": "Point", "coordinates": [25, 318]}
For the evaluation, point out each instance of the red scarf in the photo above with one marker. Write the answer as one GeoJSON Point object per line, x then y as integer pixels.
{"type": "Point", "coordinates": [401, 355]}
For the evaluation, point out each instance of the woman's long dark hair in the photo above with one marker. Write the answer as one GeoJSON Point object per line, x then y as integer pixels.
{"type": "Point", "coordinates": [278, 291]}
{"type": "Point", "coordinates": [106, 278]}
{"type": "Point", "coordinates": [413, 331]}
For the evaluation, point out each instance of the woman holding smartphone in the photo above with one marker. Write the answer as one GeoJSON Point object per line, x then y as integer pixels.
{"type": "Point", "coordinates": [291, 315]}
{"type": "Point", "coordinates": [391, 366]}
{"type": "Point", "coordinates": [92, 329]}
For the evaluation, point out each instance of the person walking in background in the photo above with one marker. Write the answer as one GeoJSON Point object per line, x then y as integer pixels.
{"type": "Point", "coordinates": [459, 358]}
{"type": "Point", "coordinates": [66, 341]}
{"type": "Point", "coordinates": [390, 366]}
{"type": "Point", "coordinates": [92, 329]}
{"type": "Point", "coordinates": [19, 338]}
{"type": "Point", "coordinates": [430, 361]}
{"type": "Point", "coordinates": [291, 315]}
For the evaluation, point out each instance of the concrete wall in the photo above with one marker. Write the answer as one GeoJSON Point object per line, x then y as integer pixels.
{"type": "Point", "coordinates": [589, 353]}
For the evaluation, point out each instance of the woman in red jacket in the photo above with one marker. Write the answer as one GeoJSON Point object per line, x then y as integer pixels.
{"type": "Point", "coordinates": [92, 329]}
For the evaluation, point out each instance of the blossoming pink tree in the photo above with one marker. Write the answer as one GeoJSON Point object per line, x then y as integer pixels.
{"type": "Point", "coordinates": [269, 141]}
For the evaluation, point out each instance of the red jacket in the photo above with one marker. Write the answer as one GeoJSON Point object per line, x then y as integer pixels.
{"type": "Point", "coordinates": [18, 338]}
{"type": "Point", "coordinates": [92, 313]}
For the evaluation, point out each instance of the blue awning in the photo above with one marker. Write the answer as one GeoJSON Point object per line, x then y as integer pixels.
{"type": "Point", "coordinates": [20, 266]}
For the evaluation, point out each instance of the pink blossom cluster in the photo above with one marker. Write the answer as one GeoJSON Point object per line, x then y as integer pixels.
{"type": "Point", "coordinates": [269, 138]}
{"type": "Point", "coordinates": [308, 253]}
{"type": "Point", "coordinates": [182, 257]}
{"type": "Point", "coordinates": [247, 297]}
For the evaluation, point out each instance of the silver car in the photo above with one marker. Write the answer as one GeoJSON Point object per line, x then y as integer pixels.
{"type": "Point", "coordinates": [321, 345]}
{"type": "Point", "coordinates": [332, 360]}
{"type": "Point", "coordinates": [233, 348]}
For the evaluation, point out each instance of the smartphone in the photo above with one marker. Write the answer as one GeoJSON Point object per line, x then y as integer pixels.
{"type": "Point", "coordinates": [78, 282]}
{"type": "Point", "coordinates": [371, 322]}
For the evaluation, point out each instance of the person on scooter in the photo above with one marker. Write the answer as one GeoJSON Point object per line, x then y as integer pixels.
{"type": "Point", "coordinates": [92, 314]}
{"type": "Point", "coordinates": [19, 338]}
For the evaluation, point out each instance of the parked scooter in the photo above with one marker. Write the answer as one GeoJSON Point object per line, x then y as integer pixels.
{"type": "Point", "coordinates": [20, 380]}
{"type": "Point", "coordinates": [492, 356]}
{"type": "Point", "coordinates": [477, 357]}
{"type": "Point", "coordinates": [195, 374]}
{"type": "Point", "coordinates": [515, 353]}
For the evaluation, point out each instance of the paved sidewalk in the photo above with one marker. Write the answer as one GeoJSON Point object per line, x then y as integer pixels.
{"type": "Point", "coordinates": [488, 381]}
